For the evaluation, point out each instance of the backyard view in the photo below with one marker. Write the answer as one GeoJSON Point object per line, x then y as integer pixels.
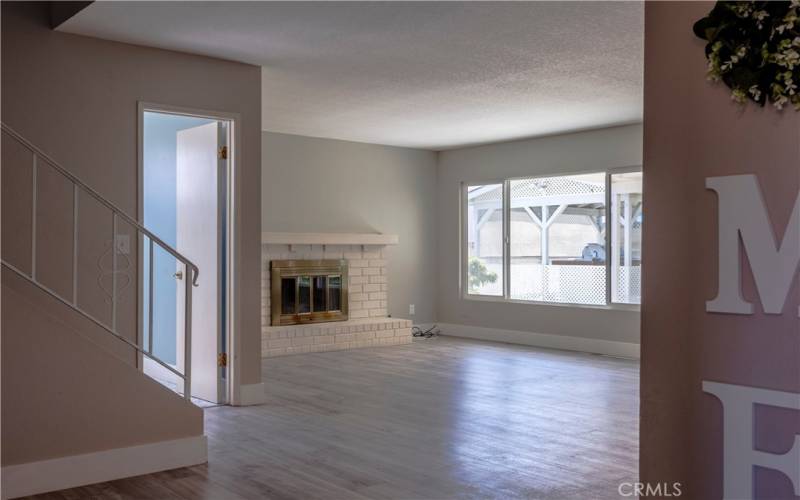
{"type": "Point", "coordinates": [557, 239]}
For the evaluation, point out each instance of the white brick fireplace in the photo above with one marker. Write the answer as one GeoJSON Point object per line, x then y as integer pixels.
{"type": "Point", "coordinates": [368, 291]}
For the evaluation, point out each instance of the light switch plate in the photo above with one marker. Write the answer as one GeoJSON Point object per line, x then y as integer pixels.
{"type": "Point", "coordinates": [123, 244]}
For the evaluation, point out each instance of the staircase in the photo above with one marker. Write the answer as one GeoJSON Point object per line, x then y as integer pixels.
{"type": "Point", "coordinates": [39, 162]}
{"type": "Point", "coordinates": [77, 407]}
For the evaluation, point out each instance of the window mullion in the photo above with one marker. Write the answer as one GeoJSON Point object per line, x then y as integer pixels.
{"type": "Point", "coordinates": [463, 241]}
{"type": "Point", "coordinates": [507, 239]}
{"type": "Point", "coordinates": [609, 229]}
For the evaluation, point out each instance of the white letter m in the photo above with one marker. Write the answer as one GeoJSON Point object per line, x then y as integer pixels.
{"type": "Point", "coordinates": [774, 263]}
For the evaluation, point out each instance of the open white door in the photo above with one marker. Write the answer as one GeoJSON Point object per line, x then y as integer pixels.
{"type": "Point", "coordinates": [201, 237]}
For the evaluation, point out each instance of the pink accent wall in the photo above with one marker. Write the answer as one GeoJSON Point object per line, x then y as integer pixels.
{"type": "Point", "coordinates": [692, 130]}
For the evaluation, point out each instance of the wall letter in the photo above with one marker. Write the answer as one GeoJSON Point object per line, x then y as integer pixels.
{"type": "Point", "coordinates": [742, 212]}
{"type": "Point", "coordinates": [739, 455]}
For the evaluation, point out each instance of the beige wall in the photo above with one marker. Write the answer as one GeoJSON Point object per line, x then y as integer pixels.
{"type": "Point", "coordinates": [323, 185]}
{"type": "Point", "coordinates": [571, 153]}
{"type": "Point", "coordinates": [64, 395]}
{"type": "Point", "coordinates": [76, 98]}
{"type": "Point", "coordinates": [692, 131]}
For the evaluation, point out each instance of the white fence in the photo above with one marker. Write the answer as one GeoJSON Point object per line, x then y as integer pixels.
{"type": "Point", "coordinates": [569, 284]}
{"type": "Point", "coordinates": [629, 285]}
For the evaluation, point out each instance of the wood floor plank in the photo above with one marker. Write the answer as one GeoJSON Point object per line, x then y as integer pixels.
{"type": "Point", "coordinates": [437, 419]}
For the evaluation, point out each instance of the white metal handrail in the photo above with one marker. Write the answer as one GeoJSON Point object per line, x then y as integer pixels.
{"type": "Point", "coordinates": [191, 270]}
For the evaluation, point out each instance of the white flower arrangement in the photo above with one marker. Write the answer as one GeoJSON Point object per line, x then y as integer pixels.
{"type": "Point", "coordinates": [754, 48]}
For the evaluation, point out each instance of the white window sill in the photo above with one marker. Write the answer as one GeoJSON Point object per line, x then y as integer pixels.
{"type": "Point", "coordinates": [503, 300]}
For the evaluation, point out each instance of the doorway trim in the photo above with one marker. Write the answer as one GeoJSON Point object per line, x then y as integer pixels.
{"type": "Point", "coordinates": [233, 239]}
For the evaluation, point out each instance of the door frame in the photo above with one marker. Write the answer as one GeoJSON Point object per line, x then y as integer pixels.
{"type": "Point", "coordinates": [232, 265]}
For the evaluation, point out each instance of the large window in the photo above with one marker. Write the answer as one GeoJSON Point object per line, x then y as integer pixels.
{"type": "Point", "coordinates": [545, 239]}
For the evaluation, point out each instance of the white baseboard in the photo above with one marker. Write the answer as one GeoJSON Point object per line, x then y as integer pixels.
{"type": "Point", "coordinates": [79, 470]}
{"type": "Point", "coordinates": [252, 394]}
{"type": "Point", "coordinates": [581, 344]}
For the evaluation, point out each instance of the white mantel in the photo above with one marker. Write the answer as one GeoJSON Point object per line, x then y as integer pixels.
{"type": "Point", "coordinates": [273, 238]}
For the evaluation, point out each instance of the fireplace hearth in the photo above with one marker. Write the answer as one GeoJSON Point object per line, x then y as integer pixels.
{"type": "Point", "coordinates": [308, 291]}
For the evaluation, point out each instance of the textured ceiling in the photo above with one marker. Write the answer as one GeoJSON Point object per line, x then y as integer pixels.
{"type": "Point", "coordinates": [432, 75]}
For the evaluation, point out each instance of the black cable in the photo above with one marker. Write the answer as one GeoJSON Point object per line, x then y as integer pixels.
{"type": "Point", "coordinates": [429, 333]}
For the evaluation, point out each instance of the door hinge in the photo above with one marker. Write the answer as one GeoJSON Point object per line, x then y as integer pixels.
{"type": "Point", "coordinates": [222, 359]}
{"type": "Point", "coordinates": [223, 153]}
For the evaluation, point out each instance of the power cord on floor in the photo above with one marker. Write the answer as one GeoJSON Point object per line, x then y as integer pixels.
{"type": "Point", "coordinates": [427, 334]}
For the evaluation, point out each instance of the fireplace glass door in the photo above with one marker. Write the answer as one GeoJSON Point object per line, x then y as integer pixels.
{"type": "Point", "coordinates": [308, 291]}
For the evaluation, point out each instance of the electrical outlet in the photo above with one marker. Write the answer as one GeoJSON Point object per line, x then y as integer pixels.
{"type": "Point", "coordinates": [411, 309]}
{"type": "Point", "coordinates": [123, 244]}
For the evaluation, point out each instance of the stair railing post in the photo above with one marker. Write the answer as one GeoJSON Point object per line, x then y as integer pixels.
{"type": "Point", "coordinates": [150, 301]}
{"type": "Point", "coordinates": [75, 245]}
{"type": "Point", "coordinates": [34, 169]}
{"type": "Point", "coordinates": [114, 271]}
{"type": "Point", "coordinates": [187, 332]}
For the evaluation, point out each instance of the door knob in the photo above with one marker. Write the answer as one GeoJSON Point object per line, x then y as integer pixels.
{"type": "Point", "coordinates": [179, 275]}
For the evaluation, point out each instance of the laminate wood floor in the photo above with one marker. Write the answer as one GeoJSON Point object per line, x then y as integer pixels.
{"type": "Point", "coordinates": [438, 419]}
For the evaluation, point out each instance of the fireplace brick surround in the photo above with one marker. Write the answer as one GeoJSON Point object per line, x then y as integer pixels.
{"type": "Point", "coordinates": [368, 324]}
{"type": "Point", "coordinates": [334, 336]}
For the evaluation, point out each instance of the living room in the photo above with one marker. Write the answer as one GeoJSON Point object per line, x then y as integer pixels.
{"type": "Point", "coordinates": [398, 250]}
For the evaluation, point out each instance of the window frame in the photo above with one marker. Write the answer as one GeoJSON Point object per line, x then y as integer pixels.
{"type": "Point", "coordinates": [506, 234]}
